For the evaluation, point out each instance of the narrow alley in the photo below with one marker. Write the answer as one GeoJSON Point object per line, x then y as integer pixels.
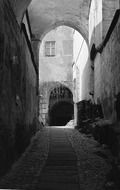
{"type": "Point", "coordinates": [60, 94]}
{"type": "Point", "coordinates": [59, 158]}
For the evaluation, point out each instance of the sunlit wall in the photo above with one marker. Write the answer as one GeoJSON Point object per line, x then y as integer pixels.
{"type": "Point", "coordinates": [80, 58]}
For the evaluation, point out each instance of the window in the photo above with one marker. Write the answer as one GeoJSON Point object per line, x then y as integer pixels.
{"type": "Point", "coordinates": [50, 48]}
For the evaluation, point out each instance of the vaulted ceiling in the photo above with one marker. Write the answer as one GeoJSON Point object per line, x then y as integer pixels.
{"type": "Point", "coordinates": [47, 14]}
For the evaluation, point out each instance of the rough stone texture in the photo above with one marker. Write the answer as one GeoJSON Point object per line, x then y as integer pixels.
{"type": "Point", "coordinates": [106, 67]}
{"type": "Point", "coordinates": [58, 13]}
{"type": "Point", "coordinates": [107, 80]}
{"type": "Point", "coordinates": [92, 168]}
{"type": "Point", "coordinates": [17, 86]}
{"type": "Point", "coordinates": [109, 75]}
{"type": "Point", "coordinates": [111, 69]}
{"type": "Point", "coordinates": [45, 90]}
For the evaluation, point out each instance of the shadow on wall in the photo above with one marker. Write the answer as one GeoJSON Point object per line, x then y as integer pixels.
{"type": "Point", "coordinates": [23, 135]}
{"type": "Point", "coordinates": [7, 154]}
{"type": "Point", "coordinates": [16, 67]}
{"type": "Point", "coordinates": [13, 145]}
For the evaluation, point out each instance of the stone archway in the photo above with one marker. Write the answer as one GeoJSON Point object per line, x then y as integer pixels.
{"type": "Point", "coordinates": [60, 106]}
{"type": "Point", "coordinates": [47, 14]}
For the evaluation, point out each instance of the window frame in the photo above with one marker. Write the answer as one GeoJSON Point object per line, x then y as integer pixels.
{"type": "Point", "coordinates": [50, 49]}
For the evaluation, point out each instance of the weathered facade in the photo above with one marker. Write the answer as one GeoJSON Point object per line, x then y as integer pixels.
{"type": "Point", "coordinates": [105, 37]}
{"type": "Point", "coordinates": [55, 70]}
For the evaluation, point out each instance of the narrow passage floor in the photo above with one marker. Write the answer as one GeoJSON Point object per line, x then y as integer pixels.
{"type": "Point", "coordinates": [60, 171]}
{"type": "Point", "coordinates": [58, 158]}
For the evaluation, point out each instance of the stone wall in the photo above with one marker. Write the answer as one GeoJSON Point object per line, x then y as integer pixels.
{"type": "Point", "coordinates": [107, 71]}
{"type": "Point", "coordinates": [44, 95]}
{"type": "Point", "coordinates": [110, 73]}
{"type": "Point", "coordinates": [109, 8]}
{"type": "Point", "coordinates": [104, 62]}
{"type": "Point", "coordinates": [17, 88]}
{"type": "Point", "coordinates": [31, 87]}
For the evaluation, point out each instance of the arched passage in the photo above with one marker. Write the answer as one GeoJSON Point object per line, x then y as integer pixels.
{"type": "Point", "coordinates": [61, 113]}
{"type": "Point", "coordinates": [60, 106]}
{"type": "Point", "coordinates": [66, 23]}
{"type": "Point", "coordinates": [65, 65]}
{"type": "Point", "coordinates": [44, 14]}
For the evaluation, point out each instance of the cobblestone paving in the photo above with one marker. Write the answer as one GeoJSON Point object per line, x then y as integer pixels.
{"type": "Point", "coordinates": [60, 171]}
{"type": "Point", "coordinates": [91, 167]}
{"type": "Point", "coordinates": [70, 163]}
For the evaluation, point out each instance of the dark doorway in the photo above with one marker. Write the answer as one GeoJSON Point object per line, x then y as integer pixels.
{"type": "Point", "coordinates": [61, 113]}
{"type": "Point", "coordinates": [61, 108]}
